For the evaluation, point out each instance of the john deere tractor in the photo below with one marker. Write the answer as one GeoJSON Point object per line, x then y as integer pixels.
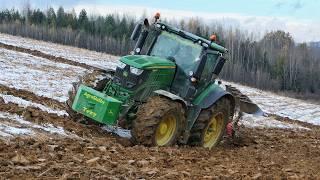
{"type": "Point", "coordinates": [165, 92]}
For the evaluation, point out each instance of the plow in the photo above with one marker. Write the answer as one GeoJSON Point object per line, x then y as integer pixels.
{"type": "Point", "coordinates": [166, 91]}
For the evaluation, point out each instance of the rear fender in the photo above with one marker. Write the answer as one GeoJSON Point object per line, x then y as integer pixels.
{"type": "Point", "coordinates": [206, 99]}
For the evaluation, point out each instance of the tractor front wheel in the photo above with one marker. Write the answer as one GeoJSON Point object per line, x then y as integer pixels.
{"type": "Point", "coordinates": [211, 124]}
{"type": "Point", "coordinates": [159, 122]}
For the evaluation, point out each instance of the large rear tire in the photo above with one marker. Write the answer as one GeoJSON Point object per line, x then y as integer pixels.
{"type": "Point", "coordinates": [159, 122]}
{"type": "Point", "coordinates": [96, 80]}
{"type": "Point", "coordinates": [210, 126]}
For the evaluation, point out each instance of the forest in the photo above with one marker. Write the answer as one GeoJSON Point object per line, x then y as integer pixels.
{"type": "Point", "coordinates": [274, 62]}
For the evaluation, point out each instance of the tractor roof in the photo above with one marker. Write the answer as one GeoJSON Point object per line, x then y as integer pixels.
{"type": "Point", "coordinates": [202, 41]}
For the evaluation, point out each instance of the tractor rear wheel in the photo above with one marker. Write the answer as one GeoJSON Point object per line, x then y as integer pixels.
{"type": "Point", "coordinates": [211, 124]}
{"type": "Point", "coordinates": [159, 122]}
{"type": "Point", "coordinates": [96, 80]}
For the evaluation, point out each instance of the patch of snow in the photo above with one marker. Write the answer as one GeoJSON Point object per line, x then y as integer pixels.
{"type": "Point", "coordinates": [3, 134]}
{"type": "Point", "coordinates": [38, 75]}
{"type": "Point", "coordinates": [14, 130]}
{"type": "Point", "coordinates": [252, 121]}
{"type": "Point", "coordinates": [93, 58]}
{"type": "Point", "coordinates": [46, 127]}
{"type": "Point", "coordinates": [23, 103]}
{"type": "Point", "coordinates": [272, 103]}
{"type": "Point", "coordinates": [15, 117]}
{"type": "Point", "coordinates": [125, 133]}
{"type": "Point", "coordinates": [51, 129]}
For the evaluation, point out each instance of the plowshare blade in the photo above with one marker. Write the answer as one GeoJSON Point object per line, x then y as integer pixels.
{"type": "Point", "coordinates": [244, 102]}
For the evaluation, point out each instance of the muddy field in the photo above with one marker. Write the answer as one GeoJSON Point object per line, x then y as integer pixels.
{"type": "Point", "coordinates": [39, 140]}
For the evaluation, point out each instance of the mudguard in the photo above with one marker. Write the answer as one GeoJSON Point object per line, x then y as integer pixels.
{"type": "Point", "coordinates": [211, 95]}
{"type": "Point", "coordinates": [206, 99]}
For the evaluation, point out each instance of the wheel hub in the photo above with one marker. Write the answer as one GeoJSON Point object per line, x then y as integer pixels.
{"type": "Point", "coordinates": [166, 130]}
{"type": "Point", "coordinates": [163, 128]}
{"type": "Point", "coordinates": [213, 130]}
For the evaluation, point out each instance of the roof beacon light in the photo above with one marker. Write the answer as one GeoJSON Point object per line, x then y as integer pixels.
{"type": "Point", "coordinates": [213, 37]}
{"type": "Point", "coordinates": [157, 16]}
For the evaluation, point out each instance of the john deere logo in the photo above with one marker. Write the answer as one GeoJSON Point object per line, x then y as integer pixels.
{"type": "Point", "coordinates": [110, 112]}
{"type": "Point", "coordinates": [125, 73]}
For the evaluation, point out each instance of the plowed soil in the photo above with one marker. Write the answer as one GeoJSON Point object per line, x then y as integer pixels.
{"type": "Point", "coordinates": [266, 154]}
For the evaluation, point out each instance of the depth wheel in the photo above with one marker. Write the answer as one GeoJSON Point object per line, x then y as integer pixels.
{"type": "Point", "coordinates": [158, 123]}
{"type": "Point", "coordinates": [211, 124]}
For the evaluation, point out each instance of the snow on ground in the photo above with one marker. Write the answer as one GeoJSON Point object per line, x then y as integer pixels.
{"type": "Point", "coordinates": [125, 133]}
{"type": "Point", "coordinates": [253, 121]}
{"type": "Point", "coordinates": [23, 103]}
{"type": "Point", "coordinates": [93, 58]}
{"type": "Point", "coordinates": [14, 125]}
{"type": "Point", "coordinates": [282, 106]}
{"type": "Point", "coordinates": [38, 75]}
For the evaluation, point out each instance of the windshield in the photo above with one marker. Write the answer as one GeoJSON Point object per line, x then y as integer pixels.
{"type": "Point", "coordinates": [183, 51]}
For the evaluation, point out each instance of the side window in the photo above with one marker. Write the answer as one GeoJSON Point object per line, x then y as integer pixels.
{"type": "Point", "coordinates": [208, 68]}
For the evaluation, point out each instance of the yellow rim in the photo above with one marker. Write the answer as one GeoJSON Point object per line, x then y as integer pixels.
{"type": "Point", "coordinates": [165, 130]}
{"type": "Point", "coordinates": [213, 131]}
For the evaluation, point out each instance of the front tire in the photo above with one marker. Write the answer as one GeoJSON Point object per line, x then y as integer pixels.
{"type": "Point", "coordinates": [211, 124]}
{"type": "Point", "coordinates": [159, 122]}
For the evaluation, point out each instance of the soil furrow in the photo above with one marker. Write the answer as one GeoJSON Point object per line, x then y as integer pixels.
{"type": "Point", "coordinates": [293, 121]}
{"type": "Point", "coordinates": [48, 56]}
{"type": "Point", "coordinates": [30, 96]}
{"type": "Point", "coordinates": [38, 116]}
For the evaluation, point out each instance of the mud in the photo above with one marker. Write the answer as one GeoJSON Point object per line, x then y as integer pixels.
{"type": "Point", "coordinates": [269, 154]}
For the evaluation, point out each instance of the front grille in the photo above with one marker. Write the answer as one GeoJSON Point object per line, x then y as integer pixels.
{"type": "Point", "coordinates": [126, 79]}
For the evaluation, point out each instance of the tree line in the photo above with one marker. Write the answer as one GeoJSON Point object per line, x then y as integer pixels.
{"type": "Point", "coordinates": [275, 62]}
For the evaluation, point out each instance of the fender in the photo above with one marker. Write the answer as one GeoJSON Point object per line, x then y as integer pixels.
{"type": "Point", "coordinates": [171, 96]}
{"type": "Point", "coordinates": [206, 99]}
{"type": "Point", "coordinates": [211, 95]}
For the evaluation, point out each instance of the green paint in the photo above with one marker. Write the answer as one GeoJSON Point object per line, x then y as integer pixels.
{"type": "Point", "coordinates": [96, 105]}
{"type": "Point", "coordinates": [204, 93]}
{"type": "Point", "coordinates": [147, 62]}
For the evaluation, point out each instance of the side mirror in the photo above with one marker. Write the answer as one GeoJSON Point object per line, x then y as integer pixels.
{"type": "Point", "coordinates": [219, 65]}
{"type": "Point", "coordinates": [136, 32]}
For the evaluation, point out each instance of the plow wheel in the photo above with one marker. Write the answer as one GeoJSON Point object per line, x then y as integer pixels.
{"type": "Point", "coordinates": [210, 126]}
{"type": "Point", "coordinates": [96, 80]}
{"type": "Point", "coordinates": [158, 122]}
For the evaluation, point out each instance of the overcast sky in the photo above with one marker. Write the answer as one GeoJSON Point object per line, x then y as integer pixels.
{"type": "Point", "coordinates": [299, 17]}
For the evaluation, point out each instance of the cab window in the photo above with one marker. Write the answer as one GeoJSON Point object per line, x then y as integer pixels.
{"type": "Point", "coordinates": [208, 68]}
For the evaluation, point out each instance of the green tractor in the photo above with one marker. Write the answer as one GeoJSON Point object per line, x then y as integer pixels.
{"type": "Point", "coordinates": [165, 92]}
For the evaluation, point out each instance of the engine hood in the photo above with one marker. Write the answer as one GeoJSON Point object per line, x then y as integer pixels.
{"type": "Point", "coordinates": [147, 62]}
